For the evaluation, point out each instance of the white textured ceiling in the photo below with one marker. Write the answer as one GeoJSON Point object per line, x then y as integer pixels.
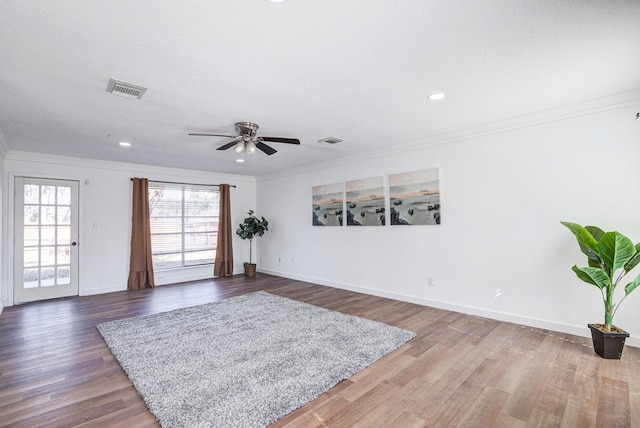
{"type": "Point", "coordinates": [359, 70]}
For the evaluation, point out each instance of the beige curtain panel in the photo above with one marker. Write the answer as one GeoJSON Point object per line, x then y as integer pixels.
{"type": "Point", "coordinates": [224, 249]}
{"type": "Point", "coordinates": [141, 264]}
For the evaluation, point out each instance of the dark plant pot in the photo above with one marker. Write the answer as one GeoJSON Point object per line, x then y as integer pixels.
{"type": "Point", "coordinates": [608, 345]}
{"type": "Point", "coordinates": [250, 270]}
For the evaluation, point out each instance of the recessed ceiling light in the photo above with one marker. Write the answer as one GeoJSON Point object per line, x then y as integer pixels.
{"type": "Point", "coordinates": [124, 144]}
{"type": "Point", "coordinates": [275, 1]}
{"type": "Point", "coordinates": [437, 96]}
{"type": "Point", "coordinates": [240, 160]}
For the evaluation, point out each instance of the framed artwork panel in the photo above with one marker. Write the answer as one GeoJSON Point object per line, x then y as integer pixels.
{"type": "Point", "coordinates": [328, 203]}
{"type": "Point", "coordinates": [365, 202]}
{"type": "Point", "coordinates": [414, 197]}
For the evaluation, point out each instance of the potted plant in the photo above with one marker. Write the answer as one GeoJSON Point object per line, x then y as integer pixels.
{"type": "Point", "coordinates": [251, 227]}
{"type": "Point", "coordinates": [610, 256]}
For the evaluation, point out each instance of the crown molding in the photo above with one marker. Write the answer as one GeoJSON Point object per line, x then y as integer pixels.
{"type": "Point", "coordinates": [140, 169]}
{"type": "Point", "coordinates": [595, 106]}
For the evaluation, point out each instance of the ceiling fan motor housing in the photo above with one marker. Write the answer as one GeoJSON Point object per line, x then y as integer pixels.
{"type": "Point", "coordinates": [247, 128]}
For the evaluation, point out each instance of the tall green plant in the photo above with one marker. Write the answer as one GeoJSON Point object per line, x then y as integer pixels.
{"type": "Point", "coordinates": [611, 256]}
{"type": "Point", "coordinates": [251, 227]}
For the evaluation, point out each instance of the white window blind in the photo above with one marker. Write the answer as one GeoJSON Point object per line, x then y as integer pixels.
{"type": "Point", "coordinates": [184, 224]}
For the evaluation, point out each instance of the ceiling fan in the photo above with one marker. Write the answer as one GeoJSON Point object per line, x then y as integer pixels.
{"type": "Point", "coordinates": [248, 141]}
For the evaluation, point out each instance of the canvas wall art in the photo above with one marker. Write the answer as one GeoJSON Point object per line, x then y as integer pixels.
{"type": "Point", "coordinates": [328, 205]}
{"type": "Point", "coordinates": [414, 197]}
{"type": "Point", "coordinates": [365, 202]}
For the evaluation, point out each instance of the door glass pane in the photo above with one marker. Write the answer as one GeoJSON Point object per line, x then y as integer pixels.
{"type": "Point", "coordinates": [31, 214]}
{"type": "Point", "coordinates": [31, 236]}
{"type": "Point", "coordinates": [47, 235]}
{"type": "Point", "coordinates": [63, 255]}
{"type": "Point", "coordinates": [64, 275]}
{"type": "Point", "coordinates": [64, 195]}
{"type": "Point", "coordinates": [30, 257]}
{"type": "Point", "coordinates": [64, 235]}
{"type": "Point", "coordinates": [30, 278]}
{"type": "Point", "coordinates": [64, 215]}
{"type": "Point", "coordinates": [48, 277]}
{"type": "Point", "coordinates": [48, 215]}
{"type": "Point", "coordinates": [47, 256]}
{"type": "Point", "coordinates": [48, 195]}
{"type": "Point", "coordinates": [31, 194]}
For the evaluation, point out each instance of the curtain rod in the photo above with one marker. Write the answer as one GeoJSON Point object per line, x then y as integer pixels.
{"type": "Point", "coordinates": [187, 184]}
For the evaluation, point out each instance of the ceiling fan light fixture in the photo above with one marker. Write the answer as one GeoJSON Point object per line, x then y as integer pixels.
{"type": "Point", "coordinates": [239, 148]}
{"type": "Point", "coordinates": [251, 148]}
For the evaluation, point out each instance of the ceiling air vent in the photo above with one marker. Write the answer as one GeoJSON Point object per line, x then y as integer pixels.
{"type": "Point", "coordinates": [331, 140]}
{"type": "Point", "coordinates": [125, 89]}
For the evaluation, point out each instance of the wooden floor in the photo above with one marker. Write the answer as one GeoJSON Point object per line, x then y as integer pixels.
{"type": "Point", "coordinates": [460, 370]}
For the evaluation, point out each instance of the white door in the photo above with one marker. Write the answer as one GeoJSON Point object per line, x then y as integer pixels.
{"type": "Point", "coordinates": [46, 239]}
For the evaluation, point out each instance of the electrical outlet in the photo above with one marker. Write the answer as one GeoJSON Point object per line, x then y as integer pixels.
{"type": "Point", "coordinates": [279, 260]}
{"type": "Point", "coordinates": [260, 259]}
{"type": "Point", "coordinates": [293, 259]}
{"type": "Point", "coordinates": [430, 282]}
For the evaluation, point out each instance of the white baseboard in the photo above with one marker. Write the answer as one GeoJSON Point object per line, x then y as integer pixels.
{"type": "Point", "coordinates": [185, 275]}
{"type": "Point", "coordinates": [582, 331]}
{"type": "Point", "coordinates": [103, 290]}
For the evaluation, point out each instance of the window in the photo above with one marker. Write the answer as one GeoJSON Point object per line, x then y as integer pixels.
{"type": "Point", "coordinates": [184, 224]}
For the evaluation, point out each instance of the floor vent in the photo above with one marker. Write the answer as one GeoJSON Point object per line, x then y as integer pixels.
{"type": "Point", "coordinates": [125, 89]}
{"type": "Point", "coordinates": [331, 140]}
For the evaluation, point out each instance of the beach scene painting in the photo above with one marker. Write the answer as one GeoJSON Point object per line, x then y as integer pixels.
{"type": "Point", "coordinates": [365, 202]}
{"type": "Point", "coordinates": [328, 205]}
{"type": "Point", "coordinates": [414, 197]}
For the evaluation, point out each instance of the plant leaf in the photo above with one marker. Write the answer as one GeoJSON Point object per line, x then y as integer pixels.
{"type": "Point", "coordinates": [593, 275]}
{"type": "Point", "coordinates": [633, 262]}
{"type": "Point", "coordinates": [588, 244]}
{"type": "Point", "coordinates": [615, 250]}
{"type": "Point", "coordinates": [595, 231]}
{"type": "Point", "coordinates": [632, 286]}
{"type": "Point", "coordinates": [252, 226]}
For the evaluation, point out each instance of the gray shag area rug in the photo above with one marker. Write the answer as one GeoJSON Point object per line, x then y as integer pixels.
{"type": "Point", "coordinates": [246, 361]}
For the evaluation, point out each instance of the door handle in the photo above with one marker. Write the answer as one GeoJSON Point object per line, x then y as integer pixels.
{"type": "Point", "coordinates": [74, 243]}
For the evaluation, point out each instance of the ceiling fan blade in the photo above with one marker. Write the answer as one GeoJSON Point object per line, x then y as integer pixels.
{"type": "Point", "coordinates": [212, 135]}
{"type": "Point", "coordinates": [268, 150]}
{"type": "Point", "coordinates": [281, 140]}
{"type": "Point", "coordinates": [229, 144]}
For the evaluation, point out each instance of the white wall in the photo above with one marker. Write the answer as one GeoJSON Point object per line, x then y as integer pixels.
{"type": "Point", "coordinates": [105, 198]}
{"type": "Point", "coordinates": [3, 231]}
{"type": "Point", "coordinates": [500, 251]}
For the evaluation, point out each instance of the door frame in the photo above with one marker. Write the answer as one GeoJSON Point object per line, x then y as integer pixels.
{"type": "Point", "coordinates": [9, 273]}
